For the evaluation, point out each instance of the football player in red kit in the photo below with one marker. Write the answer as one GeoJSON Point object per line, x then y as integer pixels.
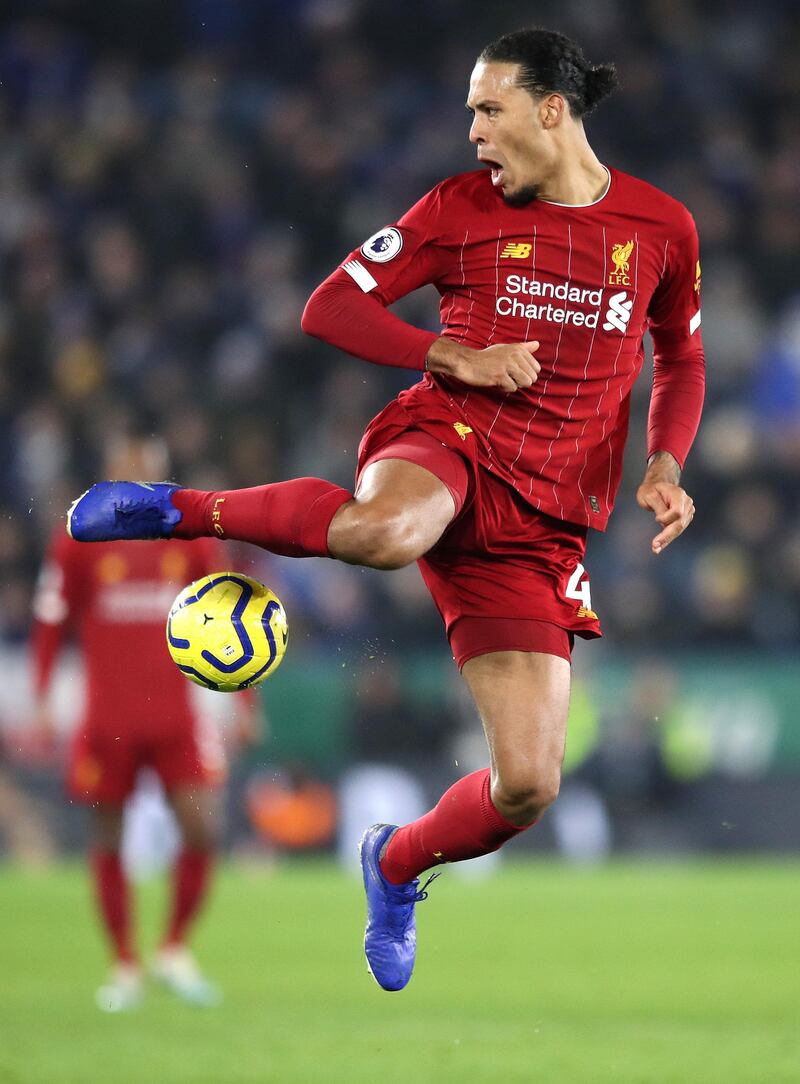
{"type": "Point", "coordinates": [490, 471]}
{"type": "Point", "coordinates": [115, 597]}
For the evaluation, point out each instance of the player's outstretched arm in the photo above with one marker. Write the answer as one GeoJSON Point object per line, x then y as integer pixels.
{"type": "Point", "coordinates": [662, 494]}
{"type": "Point", "coordinates": [509, 366]}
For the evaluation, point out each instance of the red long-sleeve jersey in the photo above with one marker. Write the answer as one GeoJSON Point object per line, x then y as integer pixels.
{"type": "Point", "coordinates": [114, 598]}
{"type": "Point", "coordinates": [586, 281]}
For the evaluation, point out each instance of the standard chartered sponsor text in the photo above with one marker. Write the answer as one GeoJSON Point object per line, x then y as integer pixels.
{"type": "Point", "coordinates": [533, 288]}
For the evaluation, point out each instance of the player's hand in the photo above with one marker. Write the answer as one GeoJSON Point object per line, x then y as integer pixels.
{"type": "Point", "coordinates": [672, 506]}
{"type": "Point", "coordinates": [510, 366]}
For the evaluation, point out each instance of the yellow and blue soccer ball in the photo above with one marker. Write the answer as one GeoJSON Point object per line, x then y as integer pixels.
{"type": "Point", "coordinates": [227, 632]}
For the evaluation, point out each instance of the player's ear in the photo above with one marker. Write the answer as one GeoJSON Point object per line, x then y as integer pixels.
{"type": "Point", "coordinates": [551, 110]}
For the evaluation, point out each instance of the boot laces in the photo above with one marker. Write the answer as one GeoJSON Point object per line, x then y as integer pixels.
{"type": "Point", "coordinates": [407, 895]}
{"type": "Point", "coordinates": [423, 893]}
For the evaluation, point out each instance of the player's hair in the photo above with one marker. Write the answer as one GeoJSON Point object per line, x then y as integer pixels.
{"type": "Point", "coordinates": [550, 62]}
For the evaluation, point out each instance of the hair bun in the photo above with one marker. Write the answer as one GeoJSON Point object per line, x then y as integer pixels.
{"type": "Point", "coordinates": [601, 80]}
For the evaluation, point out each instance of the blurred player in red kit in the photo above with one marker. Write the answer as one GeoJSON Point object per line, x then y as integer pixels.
{"type": "Point", "coordinates": [490, 471]}
{"type": "Point", "coordinates": [115, 599]}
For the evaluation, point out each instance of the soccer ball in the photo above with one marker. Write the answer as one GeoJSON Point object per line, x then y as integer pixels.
{"type": "Point", "coordinates": [227, 632]}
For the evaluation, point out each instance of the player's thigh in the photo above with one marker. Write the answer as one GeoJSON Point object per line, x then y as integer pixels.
{"type": "Point", "coordinates": [523, 701]}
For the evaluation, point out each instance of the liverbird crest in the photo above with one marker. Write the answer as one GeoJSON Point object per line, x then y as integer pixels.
{"type": "Point", "coordinates": [621, 255]}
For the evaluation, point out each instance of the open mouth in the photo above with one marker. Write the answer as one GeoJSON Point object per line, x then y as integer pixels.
{"type": "Point", "coordinates": [496, 168]}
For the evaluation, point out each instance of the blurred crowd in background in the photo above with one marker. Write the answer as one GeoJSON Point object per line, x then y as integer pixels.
{"type": "Point", "coordinates": [175, 180]}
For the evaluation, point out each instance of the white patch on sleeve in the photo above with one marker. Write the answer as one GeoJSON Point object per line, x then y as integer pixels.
{"type": "Point", "coordinates": [359, 274]}
{"type": "Point", "coordinates": [694, 323]}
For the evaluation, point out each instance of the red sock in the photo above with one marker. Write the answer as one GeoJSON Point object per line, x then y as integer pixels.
{"type": "Point", "coordinates": [191, 874]}
{"type": "Point", "coordinates": [291, 518]}
{"type": "Point", "coordinates": [464, 824]}
{"type": "Point", "coordinates": [111, 889]}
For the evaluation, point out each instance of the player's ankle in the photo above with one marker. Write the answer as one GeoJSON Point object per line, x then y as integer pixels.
{"type": "Point", "coordinates": [196, 509]}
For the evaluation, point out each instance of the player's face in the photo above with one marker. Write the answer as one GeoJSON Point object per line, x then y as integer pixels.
{"type": "Point", "coordinates": [507, 129]}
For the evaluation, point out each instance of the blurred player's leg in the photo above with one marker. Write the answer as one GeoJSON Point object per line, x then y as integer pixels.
{"type": "Point", "coordinates": [111, 885]}
{"type": "Point", "coordinates": [523, 701]}
{"type": "Point", "coordinates": [112, 891]}
{"type": "Point", "coordinates": [193, 810]}
{"type": "Point", "coordinates": [174, 965]}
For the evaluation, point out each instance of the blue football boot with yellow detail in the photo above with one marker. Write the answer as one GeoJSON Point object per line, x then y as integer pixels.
{"type": "Point", "coordinates": [390, 940]}
{"type": "Point", "coordinates": [111, 511]}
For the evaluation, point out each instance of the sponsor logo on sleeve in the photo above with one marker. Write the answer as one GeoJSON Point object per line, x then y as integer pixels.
{"type": "Point", "coordinates": [382, 246]}
{"type": "Point", "coordinates": [697, 278]}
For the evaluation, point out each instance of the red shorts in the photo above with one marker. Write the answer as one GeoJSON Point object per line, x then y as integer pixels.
{"type": "Point", "coordinates": [105, 760]}
{"type": "Point", "coordinates": [504, 577]}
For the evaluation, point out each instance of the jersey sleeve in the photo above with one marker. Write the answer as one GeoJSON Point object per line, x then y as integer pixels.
{"type": "Point", "coordinates": [678, 360]}
{"type": "Point", "coordinates": [349, 309]}
{"type": "Point", "coordinates": [56, 604]}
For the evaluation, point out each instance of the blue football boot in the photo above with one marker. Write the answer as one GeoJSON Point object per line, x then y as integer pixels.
{"type": "Point", "coordinates": [110, 511]}
{"type": "Point", "coordinates": [390, 940]}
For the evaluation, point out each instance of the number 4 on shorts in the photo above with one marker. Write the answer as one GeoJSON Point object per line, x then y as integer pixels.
{"type": "Point", "coordinates": [580, 589]}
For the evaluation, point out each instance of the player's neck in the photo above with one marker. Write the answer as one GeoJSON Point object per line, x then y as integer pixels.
{"type": "Point", "coordinates": [578, 177]}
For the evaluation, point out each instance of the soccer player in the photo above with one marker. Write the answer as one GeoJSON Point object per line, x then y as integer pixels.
{"type": "Point", "coordinates": [490, 471]}
{"type": "Point", "coordinates": [115, 598]}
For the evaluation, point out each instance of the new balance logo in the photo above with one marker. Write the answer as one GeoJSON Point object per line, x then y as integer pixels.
{"type": "Point", "coordinates": [619, 312]}
{"type": "Point", "coordinates": [516, 250]}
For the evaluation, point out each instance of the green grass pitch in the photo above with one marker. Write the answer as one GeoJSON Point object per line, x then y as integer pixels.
{"type": "Point", "coordinates": [631, 974]}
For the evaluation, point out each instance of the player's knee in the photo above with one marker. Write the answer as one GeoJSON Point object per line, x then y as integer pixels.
{"type": "Point", "coordinates": [388, 542]}
{"type": "Point", "coordinates": [522, 795]}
